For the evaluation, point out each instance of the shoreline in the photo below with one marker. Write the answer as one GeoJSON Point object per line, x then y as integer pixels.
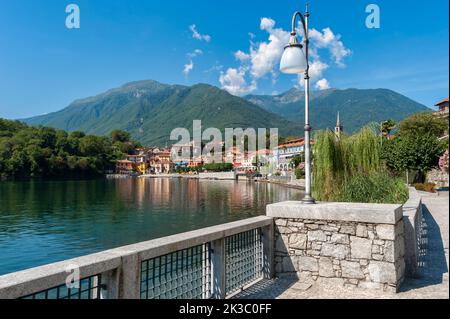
{"type": "Point", "coordinates": [213, 177]}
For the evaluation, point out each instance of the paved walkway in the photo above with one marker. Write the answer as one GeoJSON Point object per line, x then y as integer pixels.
{"type": "Point", "coordinates": [432, 281]}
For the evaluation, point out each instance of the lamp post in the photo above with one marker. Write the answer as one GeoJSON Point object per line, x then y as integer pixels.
{"type": "Point", "coordinates": [295, 60]}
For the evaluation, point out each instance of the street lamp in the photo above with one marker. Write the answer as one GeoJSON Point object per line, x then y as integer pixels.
{"type": "Point", "coordinates": [295, 60]}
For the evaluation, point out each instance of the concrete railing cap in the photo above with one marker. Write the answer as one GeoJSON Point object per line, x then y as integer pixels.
{"type": "Point", "coordinates": [346, 212]}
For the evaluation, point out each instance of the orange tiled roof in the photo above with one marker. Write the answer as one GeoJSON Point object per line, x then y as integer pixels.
{"type": "Point", "coordinates": [293, 143]}
{"type": "Point", "coordinates": [442, 102]}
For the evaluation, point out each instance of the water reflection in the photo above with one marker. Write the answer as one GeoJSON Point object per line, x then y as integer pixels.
{"type": "Point", "coordinates": [44, 222]}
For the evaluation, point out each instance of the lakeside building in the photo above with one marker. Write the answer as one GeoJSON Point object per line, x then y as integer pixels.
{"type": "Point", "coordinates": [186, 156]}
{"type": "Point", "coordinates": [285, 153]}
{"type": "Point", "coordinates": [146, 160]}
{"type": "Point", "coordinates": [443, 111]}
{"type": "Point", "coordinates": [160, 162]}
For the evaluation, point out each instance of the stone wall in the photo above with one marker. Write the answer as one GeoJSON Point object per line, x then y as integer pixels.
{"type": "Point", "coordinates": [438, 177]}
{"type": "Point", "coordinates": [352, 245]}
{"type": "Point", "coordinates": [413, 220]}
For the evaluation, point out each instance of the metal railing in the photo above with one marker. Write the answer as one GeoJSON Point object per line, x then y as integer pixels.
{"type": "Point", "coordinates": [244, 260]}
{"type": "Point", "coordinates": [184, 274]}
{"type": "Point", "coordinates": [88, 288]}
{"type": "Point", "coordinates": [215, 262]}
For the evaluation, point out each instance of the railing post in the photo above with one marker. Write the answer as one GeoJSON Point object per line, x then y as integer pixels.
{"type": "Point", "coordinates": [268, 251]}
{"type": "Point", "coordinates": [218, 269]}
{"type": "Point", "coordinates": [110, 285]}
{"type": "Point", "coordinates": [130, 277]}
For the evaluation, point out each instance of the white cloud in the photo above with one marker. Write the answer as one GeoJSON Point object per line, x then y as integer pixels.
{"type": "Point", "coordinates": [322, 84]}
{"type": "Point", "coordinates": [188, 68]}
{"type": "Point", "coordinates": [215, 68]}
{"type": "Point", "coordinates": [328, 40]}
{"type": "Point", "coordinates": [242, 56]}
{"type": "Point", "coordinates": [316, 71]}
{"type": "Point", "coordinates": [195, 53]}
{"type": "Point", "coordinates": [234, 82]}
{"type": "Point", "coordinates": [197, 35]}
{"type": "Point", "coordinates": [190, 65]}
{"type": "Point", "coordinates": [263, 58]}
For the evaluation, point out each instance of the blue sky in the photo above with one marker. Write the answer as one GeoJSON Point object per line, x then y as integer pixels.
{"type": "Point", "coordinates": [44, 66]}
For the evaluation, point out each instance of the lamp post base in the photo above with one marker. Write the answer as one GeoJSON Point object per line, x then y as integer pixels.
{"type": "Point", "coordinates": [308, 200]}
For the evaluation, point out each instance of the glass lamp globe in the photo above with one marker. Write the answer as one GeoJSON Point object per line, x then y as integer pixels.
{"type": "Point", "coordinates": [293, 60]}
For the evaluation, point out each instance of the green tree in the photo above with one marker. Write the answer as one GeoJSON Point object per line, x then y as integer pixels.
{"type": "Point", "coordinates": [422, 124]}
{"type": "Point", "coordinates": [27, 151]}
{"type": "Point", "coordinates": [413, 152]}
{"type": "Point", "coordinates": [120, 136]}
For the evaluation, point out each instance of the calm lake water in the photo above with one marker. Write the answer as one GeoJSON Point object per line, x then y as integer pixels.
{"type": "Point", "coordinates": [46, 222]}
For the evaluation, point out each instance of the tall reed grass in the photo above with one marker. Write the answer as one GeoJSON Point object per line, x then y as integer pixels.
{"type": "Point", "coordinates": [350, 169]}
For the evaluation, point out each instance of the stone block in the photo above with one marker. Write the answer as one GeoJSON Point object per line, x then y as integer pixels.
{"type": "Point", "coordinates": [317, 235]}
{"type": "Point", "coordinates": [376, 249]}
{"type": "Point", "coordinates": [335, 251]}
{"type": "Point", "coordinates": [340, 239]}
{"type": "Point", "coordinates": [348, 229]}
{"type": "Point", "coordinates": [400, 228]}
{"type": "Point", "coordinates": [279, 267]}
{"type": "Point", "coordinates": [298, 241]}
{"type": "Point", "coordinates": [389, 251]}
{"type": "Point", "coordinates": [370, 285]}
{"type": "Point", "coordinates": [377, 257]}
{"type": "Point", "coordinates": [290, 264]}
{"type": "Point", "coordinates": [361, 231]}
{"type": "Point", "coordinates": [352, 270]}
{"type": "Point", "coordinates": [386, 232]}
{"type": "Point", "coordinates": [281, 222]}
{"type": "Point", "coordinates": [284, 230]}
{"type": "Point", "coordinates": [383, 272]}
{"type": "Point", "coordinates": [308, 264]}
{"type": "Point", "coordinates": [305, 277]}
{"type": "Point", "coordinates": [329, 228]}
{"type": "Point", "coordinates": [281, 244]}
{"type": "Point", "coordinates": [326, 267]}
{"type": "Point", "coordinates": [364, 262]}
{"type": "Point", "coordinates": [361, 248]}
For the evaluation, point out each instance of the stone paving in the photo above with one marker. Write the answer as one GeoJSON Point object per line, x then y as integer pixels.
{"type": "Point", "coordinates": [432, 281]}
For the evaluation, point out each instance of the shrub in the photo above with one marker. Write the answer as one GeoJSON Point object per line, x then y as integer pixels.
{"type": "Point", "coordinates": [299, 173]}
{"type": "Point", "coordinates": [426, 187]}
{"type": "Point", "coordinates": [378, 188]}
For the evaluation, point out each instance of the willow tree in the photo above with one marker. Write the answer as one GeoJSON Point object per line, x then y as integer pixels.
{"type": "Point", "coordinates": [329, 170]}
{"type": "Point", "coordinates": [338, 160]}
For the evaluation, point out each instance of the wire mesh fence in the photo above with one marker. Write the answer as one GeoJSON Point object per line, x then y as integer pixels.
{"type": "Point", "coordinates": [185, 274]}
{"type": "Point", "coordinates": [244, 255]}
{"type": "Point", "coordinates": [87, 288]}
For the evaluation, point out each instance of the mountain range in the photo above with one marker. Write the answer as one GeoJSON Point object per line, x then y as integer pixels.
{"type": "Point", "coordinates": [357, 107]}
{"type": "Point", "coordinates": [149, 110]}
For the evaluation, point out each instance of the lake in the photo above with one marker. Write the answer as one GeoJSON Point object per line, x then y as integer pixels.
{"type": "Point", "coordinates": [46, 222]}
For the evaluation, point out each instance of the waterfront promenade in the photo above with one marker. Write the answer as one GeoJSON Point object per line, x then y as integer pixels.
{"type": "Point", "coordinates": [432, 280]}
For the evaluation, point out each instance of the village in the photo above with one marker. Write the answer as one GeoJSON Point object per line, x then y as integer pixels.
{"type": "Point", "coordinates": [155, 160]}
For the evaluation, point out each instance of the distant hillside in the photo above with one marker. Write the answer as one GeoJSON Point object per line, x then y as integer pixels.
{"type": "Point", "coordinates": [357, 107]}
{"type": "Point", "coordinates": [150, 111]}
